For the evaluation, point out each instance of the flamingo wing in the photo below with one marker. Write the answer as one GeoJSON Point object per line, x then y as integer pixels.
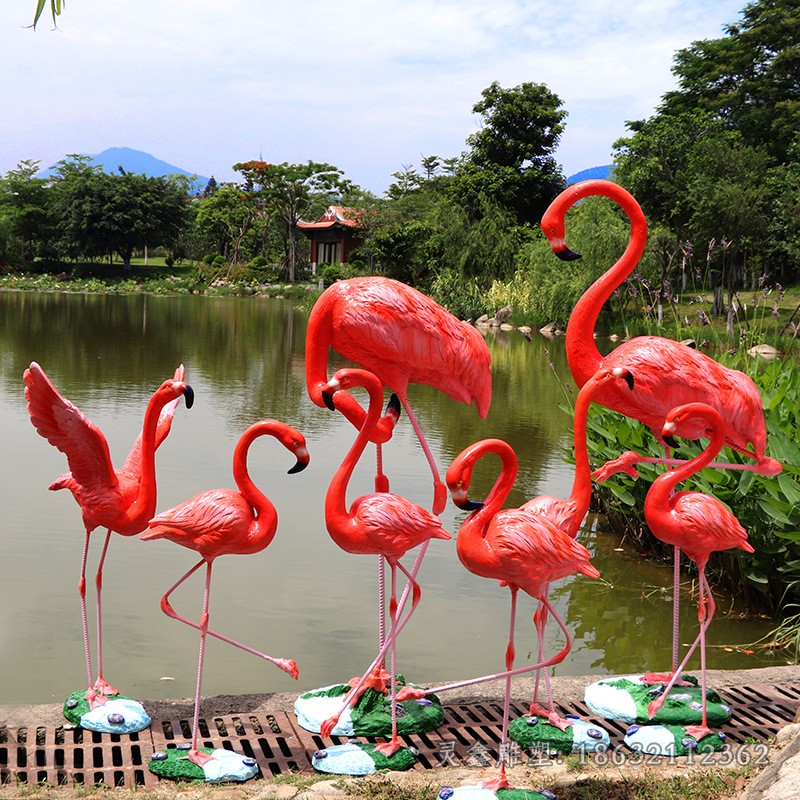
{"type": "Point", "coordinates": [64, 425]}
{"type": "Point", "coordinates": [212, 523]}
{"type": "Point", "coordinates": [395, 525]}
{"type": "Point", "coordinates": [133, 463]}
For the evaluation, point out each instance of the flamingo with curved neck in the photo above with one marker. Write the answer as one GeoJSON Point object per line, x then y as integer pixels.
{"type": "Point", "coordinates": [523, 550]}
{"type": "Point", "coordinates": [667, 372]}
{"type": "Point", "coordinates": [120, 500]}
{"type": "Point", "coordinates": [696, 523]}
{"type": "Point", "coordinates": [221, 522]}
{"type": "Point", "coordinates": [383, 524]}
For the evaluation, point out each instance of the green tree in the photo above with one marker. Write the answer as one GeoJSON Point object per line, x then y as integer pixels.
{"type": "Point", "coordinates": [24, 211]}
{"type": "Point", "coordinates": [510, 160]}
{"type": "Point", "coordinates": [748, 78]}
{"type": "Point", "coordinates": [292, 191]}
{"type": "Point", "coordinates": [100, 214]}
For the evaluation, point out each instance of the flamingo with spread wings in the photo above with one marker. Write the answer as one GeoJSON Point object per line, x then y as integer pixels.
{"type": "Point", "coordinates": [119, 500]}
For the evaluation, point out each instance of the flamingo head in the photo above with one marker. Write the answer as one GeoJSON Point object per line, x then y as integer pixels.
{"type": "Point", "coordinates": [458, 479]}
{"type": "Point", "coordinates": [294, 442]}
{"type": "Point", "coordinates": [688, 415]}
{"type": "Point", "coordinates": [553, 228]}
{"type": "Point", "coordinates": [173, 389]}
{"type": "Point", "coordinates": [346, 379]}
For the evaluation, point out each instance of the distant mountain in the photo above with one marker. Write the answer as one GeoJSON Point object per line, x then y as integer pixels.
{"type": "Point", "coordinates": [137, 162]}
{"type": "Point", "coordinates": [592, 172]}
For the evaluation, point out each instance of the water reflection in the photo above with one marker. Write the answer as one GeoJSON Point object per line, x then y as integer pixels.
{"type": "Point", "coordinates": [302, 597]}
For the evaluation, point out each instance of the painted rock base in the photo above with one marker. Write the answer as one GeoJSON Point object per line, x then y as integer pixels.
{"type": "Point", "coordinates": [360, 758]}
{"type": "Point", "coordinates": [119, 714]}
{"type": "Point", "coordinates": [371, 715]}
{"type": "Point", "coordinates": [670, 740]}
{"type": "Point", "coordinates": [626, 699]}
{"type": "Point", "coordinates": [533, 733]}
{"type": "Point", "coordinates": [226, 766]}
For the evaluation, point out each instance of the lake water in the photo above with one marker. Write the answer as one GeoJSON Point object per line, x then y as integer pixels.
{"type": "Point", "coordinates": [302, 597]}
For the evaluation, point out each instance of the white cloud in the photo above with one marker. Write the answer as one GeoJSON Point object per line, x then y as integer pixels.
{"type": "Point", "coordinates": [366, 84]}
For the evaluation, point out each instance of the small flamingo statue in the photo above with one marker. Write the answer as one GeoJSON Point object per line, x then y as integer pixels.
{"type": "Point", "coordinates": [214, 523]}
{"type": "Point", "coordinates": [697, 523]}
{"type": "Point", "coordinates": [383, 524]}
{"type": "Point", "coordinates": [119, 500]}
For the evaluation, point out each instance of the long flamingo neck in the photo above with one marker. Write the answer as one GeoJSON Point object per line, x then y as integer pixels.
{"type": "Point", "coordinates": [145, 503]}
{"type": "Point", "coordinates": [581, 494]}
{"type": "Point", "coordinates": [505, 479]}
{"type": "Point", "coordinates": [664, 485]}
{"type": "Point", "coordinates": [582, 354]}
{"type": "Point", "coordinates": [336, 497]}
{"type": "Point", "coordinates": [254, 496]}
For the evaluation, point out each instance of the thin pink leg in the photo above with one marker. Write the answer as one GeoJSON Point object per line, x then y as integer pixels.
{"type": "Point", "coordinates": [699, 731]}
{"type": "Point", "coordinates": [439, 489]}
{"type": "Point", "coordinates": [84, 619]}
{"type": "Point", "coordinates": [676, 608]}
{"type": "Point", "coordinates": [705, 621]}
{"type": "Point", "coordinates": [393, 745]}
{"type": "Point", "coordinates": [410, 693]}
{"type": "Point", "coordinates": [286, 664]}
{"type": "Point", "coordinates": [628, 460]}
{"type": "Point", "coordinates": [381, 485]}
{"type": "Point", "coordinates": [100, 684]}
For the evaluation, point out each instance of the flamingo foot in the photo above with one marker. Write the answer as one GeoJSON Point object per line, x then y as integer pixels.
{"type": "Point", "coordinates": [551, 716]}
{"type": "Point", "coordinates": [768, 466]}
{"type": "Point", "coordinates": [698, 731]}
{"type": "Point", "coordinates": [94, 698]}
{"type": "Point", "coordinates": [410, 693]}
{"type": "Point", "coordinates": [377, 680]}
{"type": "Point", "coordinates": [500, 782]}
{"type": "Point", "coordinates": [288, 665]}
{"type": "Point", "coordinates": [328, 725]}
{"type": "Point", "coordinates": [655, 706]}
{"type": "Point", "coordinates": [625, 463]}
{"type": "Point", "coordinates": [665, 678]}
{"type": "Point", "coordinates": [439, 497]}
{"type": "Point", "coordinates": [199, 758]}
{"type": "Point", "coordinates": [389, 748]}
{"type": "Point", "coordinates": [103, 687]}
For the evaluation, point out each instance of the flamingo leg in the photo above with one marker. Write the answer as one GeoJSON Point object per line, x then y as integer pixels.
{"type": "Point", "coordinates": [100, 685]}
{"type": "Point", "coordinates": [439, 489]}
{"type": "Point", "coordinates": [705, 621]}
{"type": "Point", "coordinates": [288, 665]}
{"type": "Point", "coordinates": [676, 607]}
{"type": "Point", "coordinates": [627, 461]}
{"type": "Point", "coordinates": [411, 693]}
{"type": "Point", "coordinates": [699, 731]}
{"type": "Point", "coordinates": [84, 619]}
{"type": "Point", "coordinates": [393, 745]}
{"type": "Point", "coordinates": [501, 781]}
{"type": "Point", "coordinates": [396, 627]}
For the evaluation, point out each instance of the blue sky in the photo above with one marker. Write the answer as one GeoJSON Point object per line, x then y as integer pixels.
{"type": "Point", "coordinates": [367, 85]}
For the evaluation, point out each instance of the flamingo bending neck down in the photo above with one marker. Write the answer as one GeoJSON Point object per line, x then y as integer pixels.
{"type": "Point", "coordinates": [120, 500]}
{"type": "Point", "coordinates": [696, 523]}
{"type": "Point", "coordinates": [221, 522]}
{"type": "Point", "coordinates": [521, 549]}
{"type": "Point", "coordinates": [401, 336]}
{"type": "Point", "coordinates": [383, 524]}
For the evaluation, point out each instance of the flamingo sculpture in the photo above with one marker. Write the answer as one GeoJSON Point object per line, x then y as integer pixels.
{"type": "Point", "coordinates": [667, 372]}
{"type": "Point", "coordinates": [402, 337]}
{"type": "Point", "coordinates": [221, 522]}
{"type": "Point", "coordinates": [521, 549]}
{"type": "Point", "coordinates": [120, 500]}
{"type": "Point", "coordinates": [696, 523]}
{"type": "Point", "coordinates": [382, 524]}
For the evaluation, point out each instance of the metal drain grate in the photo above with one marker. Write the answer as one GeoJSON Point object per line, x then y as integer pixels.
{"type": "Point", "coordinates": [470, 736]}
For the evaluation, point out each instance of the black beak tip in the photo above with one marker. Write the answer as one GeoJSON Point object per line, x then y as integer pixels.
{"type": "Point", "coordinates": [470, 505]}
{"type": "Point", "coordinates": [568, 255]}
{"type": "Point", "coordinates": [671, 441]}
{"type": "Point", "coordinates": [629, 380]}
{"type": "Point", "coordinates": [394, 404]}
{"type": "Point", "coordinates": [188, 396]}
{"type": "Point", "coordinates": [298, 467]}
{"type": "Point", "coordinates": [327, 398]}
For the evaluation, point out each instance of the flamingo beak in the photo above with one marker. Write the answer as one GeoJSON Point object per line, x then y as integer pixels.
{"type": "Point", "coordinates": [629, 380]}
{"type": "Point", "coordinates": [302, 461]}
{"type": "Point", "coordinates": [188, 396]}
{"type": "Point", "coordinates": [565, 254]}
{"type": "Point", "coordinates": [327, 398]}
{"type": "Point", "coordinates": [671, 441]}
{"type": "Point", "coordinates": [463, 502]}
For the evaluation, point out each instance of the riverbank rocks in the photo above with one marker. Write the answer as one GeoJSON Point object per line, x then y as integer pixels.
{"type": "Point", "coordinates": [765, 351]}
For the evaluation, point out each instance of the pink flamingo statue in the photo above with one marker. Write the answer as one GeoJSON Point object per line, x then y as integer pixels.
{"type": "Point", "coordinates": [667, 372]}
{"type": "Point", "coordinates": [383, 524]}
{"type": "Point", "coordinates": [402, 337]}
{"type": "Point", "coordinates": [221, 522]}
{"type": "Point", "coordinates": [120, 500]}
{"type": "Point", "coordinates": [696, 523]}
{"type": "Point", "coordinates": [521, 549]}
